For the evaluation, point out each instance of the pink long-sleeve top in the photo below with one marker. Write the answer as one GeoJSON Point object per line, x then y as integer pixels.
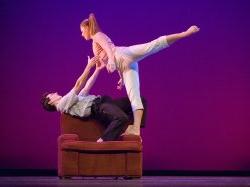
{"type": "Point", "coordinates": [103, 47]}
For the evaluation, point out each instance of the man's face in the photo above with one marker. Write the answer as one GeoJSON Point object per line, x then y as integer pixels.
{"type": "Point", "coordinates": [54, 98]}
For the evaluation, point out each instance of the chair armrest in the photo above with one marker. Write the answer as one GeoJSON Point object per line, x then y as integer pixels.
{"type": "Point", "coordinates": [130, 137]}
{"type": "Point", "coordinates": [67, 138]}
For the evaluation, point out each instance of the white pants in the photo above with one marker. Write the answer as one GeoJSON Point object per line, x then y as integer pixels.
{"type": "Point", "coordinates": [127, 58]}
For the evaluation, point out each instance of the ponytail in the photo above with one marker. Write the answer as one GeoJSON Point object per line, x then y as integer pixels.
{"type": "Point", "coordinates": [92, 24]}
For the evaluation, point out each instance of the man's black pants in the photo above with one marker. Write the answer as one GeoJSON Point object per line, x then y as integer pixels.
{"type": "Point", "coordinates": [110, 115]}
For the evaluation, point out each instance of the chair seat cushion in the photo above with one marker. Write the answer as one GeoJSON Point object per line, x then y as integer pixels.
{"type": "Point", "coordinates": [108, 146]}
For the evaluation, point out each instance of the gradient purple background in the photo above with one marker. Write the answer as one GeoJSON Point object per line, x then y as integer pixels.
{"type": "Point", "coordinates": [197, 90]}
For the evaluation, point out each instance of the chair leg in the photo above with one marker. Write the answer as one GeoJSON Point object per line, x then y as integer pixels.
{"type": "Point", "coordinates": [64, 177]}
{"type": "Point", "coordinates": [130, 178]}
{"type": "Point", "coordinates": [127, 177]}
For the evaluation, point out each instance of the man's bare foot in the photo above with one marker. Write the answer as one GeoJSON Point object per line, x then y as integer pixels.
{"type": "Point", "coordinates": [99, 140]}
{"type": "Point", "coordinates": [191, 30]}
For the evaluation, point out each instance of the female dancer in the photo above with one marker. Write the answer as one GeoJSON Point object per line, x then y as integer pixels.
{"type": "Point", "coordinates": [124, 60]}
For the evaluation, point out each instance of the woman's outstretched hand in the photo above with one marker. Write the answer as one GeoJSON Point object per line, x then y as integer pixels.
{"type": "Point", "coordinates": [120, 84]}
{"type": "Point", "coordinates": [111, 67]}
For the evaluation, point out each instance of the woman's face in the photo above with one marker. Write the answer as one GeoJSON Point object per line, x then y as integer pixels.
{"type": "Point", "coordinates": [85, 32]}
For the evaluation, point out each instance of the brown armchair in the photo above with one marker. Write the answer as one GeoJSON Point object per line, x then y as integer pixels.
{"type": "Point", "coordinates": [80, 155]}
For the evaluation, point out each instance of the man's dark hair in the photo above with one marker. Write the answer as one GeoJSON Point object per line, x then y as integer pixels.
{"type": "Point", "coordinates": [45, 103]}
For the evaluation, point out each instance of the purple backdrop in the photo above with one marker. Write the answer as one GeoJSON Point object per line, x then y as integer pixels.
{"type": "Point", "coordinates": [197, 90]}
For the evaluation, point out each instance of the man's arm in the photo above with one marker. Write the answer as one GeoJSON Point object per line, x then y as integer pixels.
{"type": "Point", "coordinates": [92, 79]}
{"type": "Point", "coordinates": [82, 79]}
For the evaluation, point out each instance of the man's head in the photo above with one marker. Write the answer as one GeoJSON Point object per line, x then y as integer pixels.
{"type": "Point", "coordinates": [50, 100]}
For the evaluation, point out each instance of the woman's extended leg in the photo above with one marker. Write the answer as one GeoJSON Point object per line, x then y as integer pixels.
{"type": "Point", "coordinates": [140, 51]}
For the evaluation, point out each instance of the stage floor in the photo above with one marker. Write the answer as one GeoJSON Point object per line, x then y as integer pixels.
{"type": "Point", "coordinates": [171, 181]}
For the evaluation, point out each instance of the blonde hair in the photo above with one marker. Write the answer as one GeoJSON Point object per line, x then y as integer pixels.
{"type": "Point", "coordinates": [92, 24]}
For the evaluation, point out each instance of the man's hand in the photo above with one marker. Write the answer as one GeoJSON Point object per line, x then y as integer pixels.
{"type": "Point", "coordinates": [92, 61]}
{"type": "Point", "coordinates": [99, 66]}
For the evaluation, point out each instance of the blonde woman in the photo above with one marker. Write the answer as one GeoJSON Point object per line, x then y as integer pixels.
{"type": "Point", "coordinates": [125, 61]}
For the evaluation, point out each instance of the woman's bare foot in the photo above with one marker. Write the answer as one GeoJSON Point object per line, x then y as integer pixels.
{"type": "Point", "coordinates": [132, 129]}
{"type": "Point", "coordinates": [191, 30]}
